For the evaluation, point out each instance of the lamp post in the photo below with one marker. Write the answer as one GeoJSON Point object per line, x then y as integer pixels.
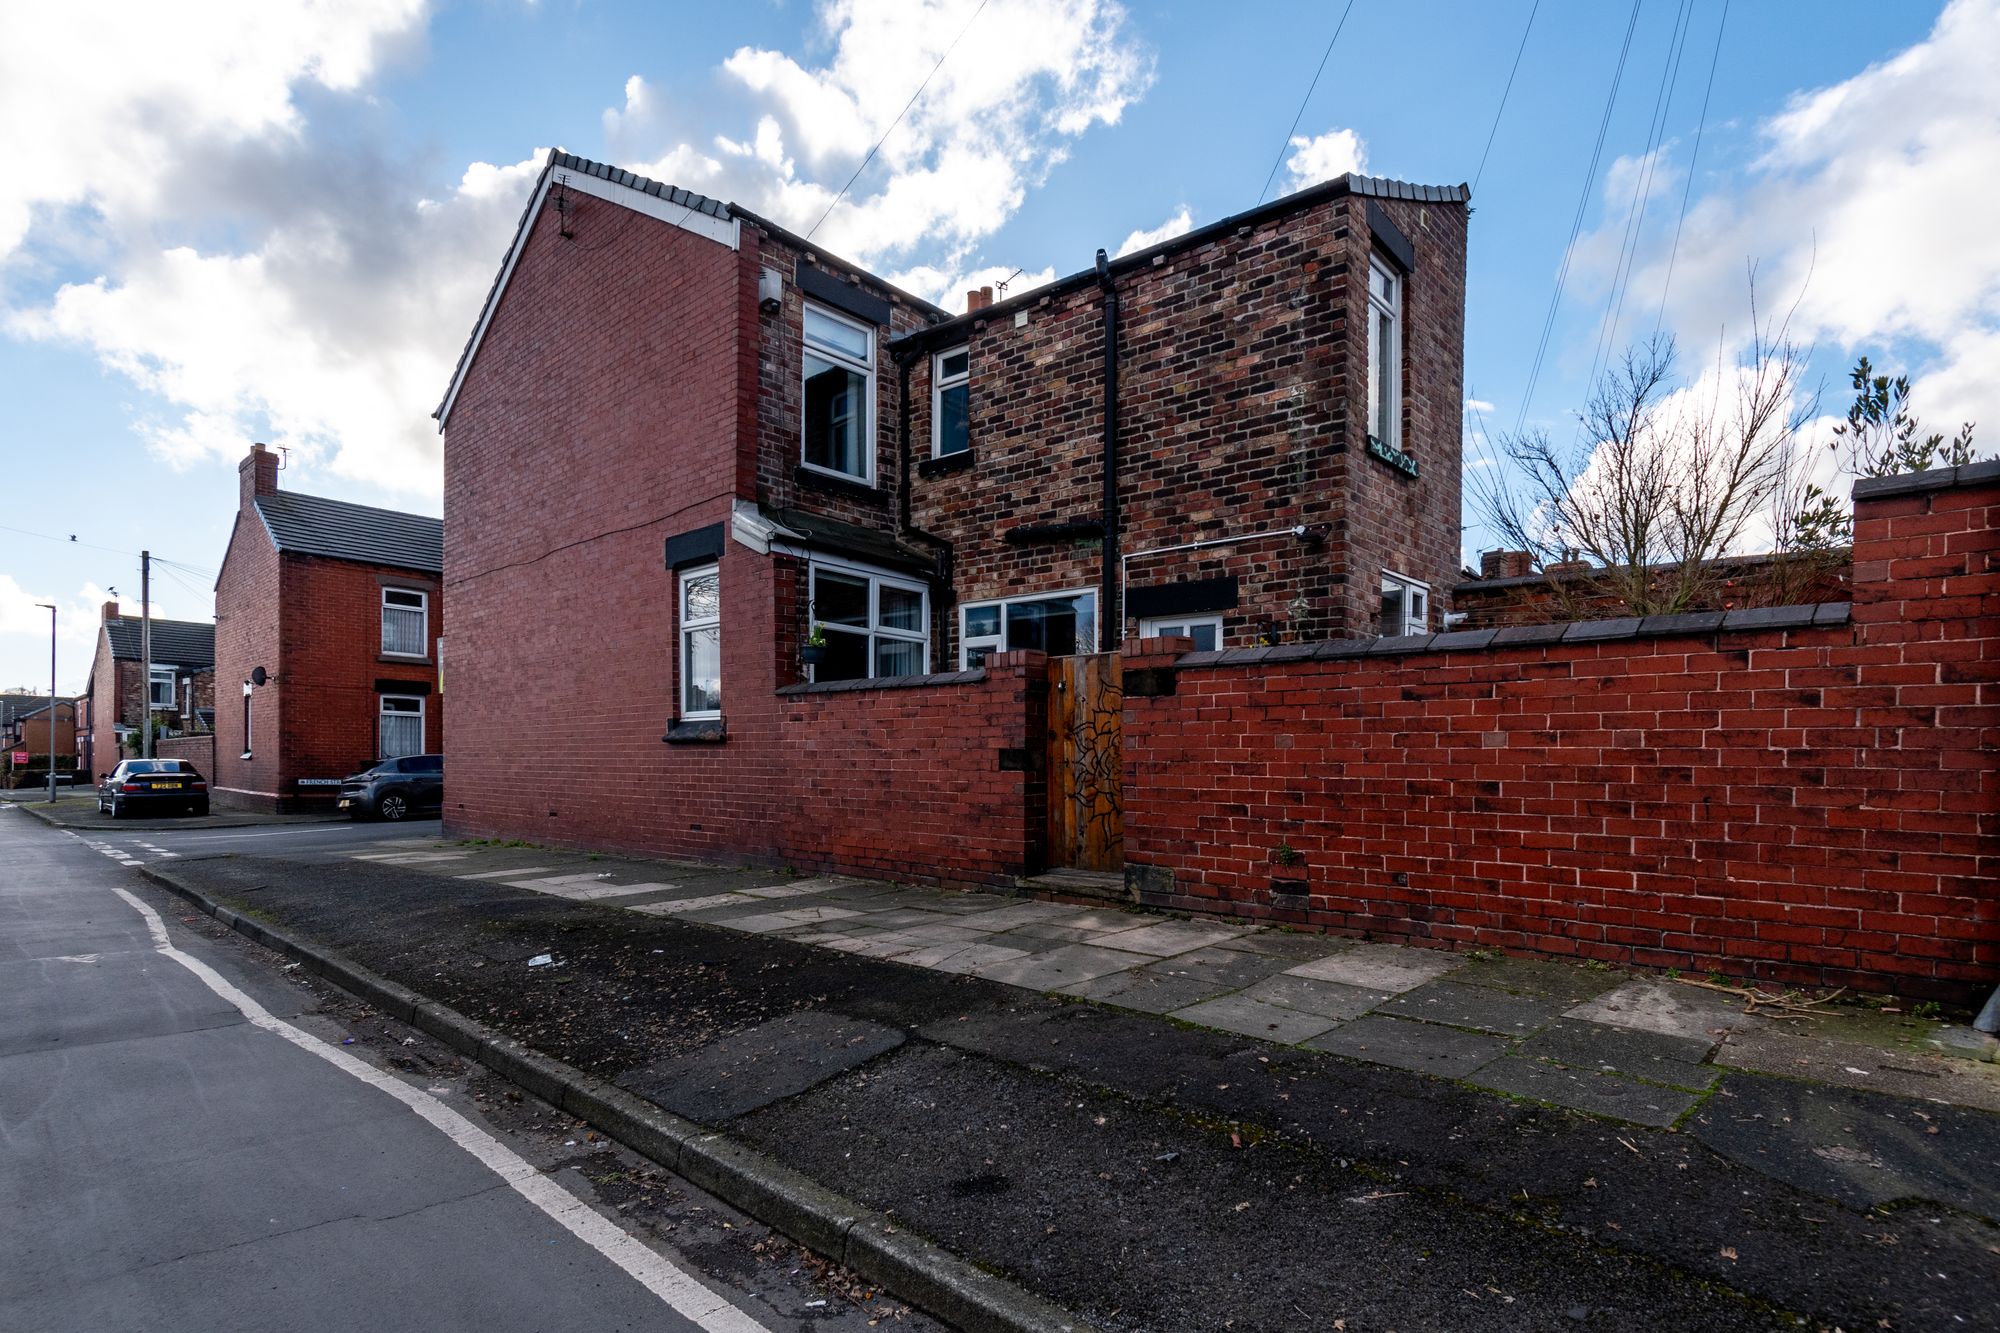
{"type": "Point", "coordinates": [52, 699]}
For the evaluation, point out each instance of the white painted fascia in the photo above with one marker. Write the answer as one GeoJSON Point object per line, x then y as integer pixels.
{"type": "Point", "coordinates": [752, 527]}
{"type": "Point", "coordinates": [683, 216]}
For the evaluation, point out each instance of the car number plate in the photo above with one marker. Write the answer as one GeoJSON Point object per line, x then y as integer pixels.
{"type": "Point", "coordinates": [166, 786]}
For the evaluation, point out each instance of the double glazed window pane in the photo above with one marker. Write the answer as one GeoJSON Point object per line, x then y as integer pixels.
{"type": "Point", "coordinates": [838, 357]}
{"type": "Point", "coordinates": [865, 622]}
{"type": "Point", "coordinates": [402, 728]}
{"type": "Point", "coordinates": [403, 623]}
{"type": "Point", "coordinates": [701, 643]}
{"type": "Point", "coordinates": [1384, 318]}
{"type": "Point", "coordinates": [954, 401]}
{"type": "Point", "coordinates": [839, 599]}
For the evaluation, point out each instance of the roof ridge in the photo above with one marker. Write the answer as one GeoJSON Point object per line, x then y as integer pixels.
{"type": "Point", "coordinates": [350, 504]}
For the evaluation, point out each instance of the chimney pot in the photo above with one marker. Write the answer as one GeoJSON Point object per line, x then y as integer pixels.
{"type": "Point", "coordinates": [1505, 564]}
{"type": "Point", "coordinates": [978, 299]}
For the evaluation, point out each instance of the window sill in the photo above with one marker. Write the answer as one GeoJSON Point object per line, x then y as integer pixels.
{"type": "Point", "coordinates": [395, 659]}
{"type": "Point", "coordinates": [811, 478]}
{"type": "Point", "coordinates": [697, 731]}
{"type": "Point", "coordinates": [1394, 457]}
{"type": "Point", "coordinates": [937, 465]}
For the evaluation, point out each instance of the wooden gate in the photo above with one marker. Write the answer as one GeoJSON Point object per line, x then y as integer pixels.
{"type": "Point", "coordinates": [1086, 759]}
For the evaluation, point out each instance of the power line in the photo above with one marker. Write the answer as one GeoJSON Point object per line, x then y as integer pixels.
{"type": "Point", "coordinates": [899, 117]}
{"type": "Point", "coordinates": [1635, 216]}
{"type": "Point", "coordinates": [1576, 224]}
{"type": "Point", "coordinates": [1287, 142]}
{"type": "Point", "coordinates": [1502, 108]}
{"type": "Point", "coordinates": [1693, 157]}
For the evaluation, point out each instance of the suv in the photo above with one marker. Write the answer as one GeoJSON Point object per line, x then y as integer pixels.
{"type": "Point", "coordinates": [395, 788]}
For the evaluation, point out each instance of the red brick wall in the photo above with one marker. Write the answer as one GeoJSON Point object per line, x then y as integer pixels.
{"type": "Point", "coordinates": [1813, 804]}
{"type": "Point", "coordinates": [197, 750]}
{"type": "Point", "coordinates": [1242, 388]}
{"type": "Point", "coordinates": [246, 637]}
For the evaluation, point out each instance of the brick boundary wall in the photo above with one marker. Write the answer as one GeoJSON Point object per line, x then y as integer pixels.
{"type": "Point", "coordinates": [198, 750]}
{"type": "Point", "coordinates": [1801, 795]}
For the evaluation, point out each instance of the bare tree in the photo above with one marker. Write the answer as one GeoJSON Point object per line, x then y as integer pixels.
{"type": "Point", "coordinates": [1664, 479]}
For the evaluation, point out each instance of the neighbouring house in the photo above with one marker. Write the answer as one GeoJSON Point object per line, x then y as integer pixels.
{"type": "Point", "coordinates": [692, 461]}
{"type": "Point", "coordinates": [1509, 590]}
{"type": "Point", "coordinates": [176, 687]}
{"type": "Point", "coordinates": [24, 734]}
{"type": "Point", "coordinates": [327, 617]}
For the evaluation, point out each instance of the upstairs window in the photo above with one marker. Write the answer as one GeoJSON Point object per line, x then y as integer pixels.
{"type": "Point", "coordinates": [875, 624]}
{"type": "Point", "coordinates": [405, 622]}
{"type": "Point", "coordinates": [951, 402]}
{"type": "Point", "coordinates": [839, 395]}
{"type": "Point", "coordinates": [1385, 354]}
{"type": "Point", "coordinates": [1406, 606]}
{"type": "Point", "coordinates": [701, 642]}
{"type": "Point", "coordinates": [161, 690]}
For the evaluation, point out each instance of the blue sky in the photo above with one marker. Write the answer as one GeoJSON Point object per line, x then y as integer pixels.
{"type": "Point", "coordinates": [275, 223]}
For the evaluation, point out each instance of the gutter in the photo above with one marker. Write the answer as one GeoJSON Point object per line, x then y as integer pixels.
{"type": "Point", "coordinates": [1111, 615]}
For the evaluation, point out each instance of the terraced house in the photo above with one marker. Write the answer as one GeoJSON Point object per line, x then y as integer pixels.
{"type": "Point", "coordinates": [175, 688]}
{"type": "Point", "coordinates": [745, 545]}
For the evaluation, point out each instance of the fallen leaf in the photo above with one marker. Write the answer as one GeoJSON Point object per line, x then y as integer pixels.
{"type": "Point", "coordinates": [1729, 1253]}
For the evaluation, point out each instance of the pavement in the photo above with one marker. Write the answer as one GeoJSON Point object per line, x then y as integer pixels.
{"type": "Point", "coordinates": [194, 1136]}
{"type": "Point", "coordinates": [76, 808]}
{"type": "Point", "coordinates": [1171, 1124]}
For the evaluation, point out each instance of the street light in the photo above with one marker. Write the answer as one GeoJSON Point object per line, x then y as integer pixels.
{"type": "Point", "coordinates": [52, 699]}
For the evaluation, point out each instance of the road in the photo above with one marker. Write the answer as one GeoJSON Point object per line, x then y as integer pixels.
{"type": "Point", "coordinates": [187, 1141]}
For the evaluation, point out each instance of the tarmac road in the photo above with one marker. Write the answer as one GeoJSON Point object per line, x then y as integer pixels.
{"type": "Point", "coordinates": [186, 1144]}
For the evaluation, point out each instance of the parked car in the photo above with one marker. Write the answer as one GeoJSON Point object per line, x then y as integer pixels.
{"type": "Point", "coordinates": [395, 788]}
{"type": "Point", "coordinates": [163, 785]}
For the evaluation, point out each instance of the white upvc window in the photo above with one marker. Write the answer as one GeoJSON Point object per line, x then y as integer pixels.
{"type": "Point", "coordinates": [402, 728]}
{"type": "Point", "coordinates": [405, 622]}
{"type": "Point", "coordinates": [246, 721]}
{"type": "Point", "coordinates": [951, 402]}
{"type": "Point", "coordinates": [1385, 354]}
{"type": "Point", "coordinates": [1406, 606]}
{"type": "Point", "coordinates": [875, 623]}
{"type": "Point", "coordinates": [1059, 624]}
{"type": "Point", "coordinates": [701, 642]}
{"type": "Point", "coordinates": [839, 396]}
{"type": "Point", "coordinates": [162, 691]}
{"type": "Point", "coordinates": [1206, 631]}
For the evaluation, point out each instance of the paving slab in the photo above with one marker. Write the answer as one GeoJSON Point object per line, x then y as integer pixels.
{"type": "Point", "coordinates": [1477, 1007]}
{"type": "Point", "coordinates": [965, 904]}
{"type": "Point", "coordinates": [1175, 983]}
{"type": "Point", "coordinates": [1328, 999]}
{"type": "Point", "coordinates": [1539, 976]}
{"type": "Point", "coordinates": [760, 1065]}
{"type": "Point", "coordinates": [1653, 1056]}
{"type": "Point", "coordinates": [683, 906]}
{"type": "Point", "coordinates": [801, 889]}
{"type": "Point", "coordinates": [1421, 1047]}
{"type": "Point", "coordinates": [1388, 968]}
{"type": "Point", "coordinates": [1286, 944]}
{"type": "Point", "coordinates": [1863, 1149]}
{"type": "Point", "coordinates": [1099, 920]}
{"type": "Point", "coordinates": [965, 958]}
{"type": "Point", "coordinates": [1028, 943]}
{"type": "Point", "coordinates": [1585, 1090]}
{"type": "Point", "coordinates": [787, 920]}
{"type": "Point", "coordinates": [1171, 937]}
{"type": "Point", "coordinates": [1652, 1005]}
{"type": "Point", "coordinates": [1008, 918]}
{"type": "Point", "coordinates": [1056, 931]}
{"type": "Point", "coordinates": [1059, 967]}
{"type": "Point", "coordinates": [1254, 1018]}
{"type": "Point", "coordinates": [888, 944]}
{"type": "Point", "coordinates": [942, 932]}
{"type": "Point", "coordinates": [1800, 1053]}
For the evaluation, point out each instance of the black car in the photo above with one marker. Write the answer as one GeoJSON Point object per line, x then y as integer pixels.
{"type": "Point", "coordinates": [170, 786]}
{"type": "Point", "coordinates": [395, 788]}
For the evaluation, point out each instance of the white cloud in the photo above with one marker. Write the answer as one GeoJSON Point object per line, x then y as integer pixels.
{"type": "Point", "coordinates": [1179, 224]}
{"type": "Point", "coordinates": [1479, 405]}
{"type": "Point", "coordinates": [1873, 198]}
{"type": "Point", "coordinates": [24, 633]}
{"type": "Point", "coordinates": [1323, 157]}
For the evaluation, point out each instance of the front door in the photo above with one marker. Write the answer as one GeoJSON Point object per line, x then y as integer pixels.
{"type": "Point", "coordinates": [1086, 759]}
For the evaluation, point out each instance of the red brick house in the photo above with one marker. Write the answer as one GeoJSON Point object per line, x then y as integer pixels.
{"type": "Point", "coordinates": [683, 444]}
{"type": "Point", "coordinates": [327, 617]}
{"type": "Point", "coordinates": [178, 688]}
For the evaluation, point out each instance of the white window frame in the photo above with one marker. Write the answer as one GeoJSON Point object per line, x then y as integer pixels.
{"type": "Point", "coordinates": [685, 624]}
{"type": "Point", "coordinates": [877, 579]}
{"type": "Point", "coordinates": [1385, 361]}
{"type": "Point", "coordinates": [156, 677]}
{"type": "Point", "coordinates": [940, 383]}
{"type": "Point", "coordinates": [866, 367]}
{"type": "Point", "coordinates": [997, 643]}
{"type": "Point", "coordinates": [382, 711]}
{"type": "Point", "coordinates": [423, 610]}
{"type": "Point", "coordinates": [1153, 627]}
{"type": "Point", "coordinates": [246, 721]}
{"type": "Point", "coordinates": [1412, 622]}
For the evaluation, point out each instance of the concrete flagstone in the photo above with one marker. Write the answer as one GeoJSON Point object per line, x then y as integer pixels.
{"type": "Point", "coordinates": [800, 889]}
{"type": "Point", "coordinates": [1584, 1090]}
{"type": "Point", "coordinates": [1631, 1051]}
{"type": "Point", "coordinates": [771, 922]}
{"type": "Point", "coordinates": [1058, 967]}
{"type": "Point", "coordinates": [1389, 968]}
{"type": "Point", "coordinates": [1476, 1007]}
{"type": "Point", "coordinates": [888, 944]}
{"type": "Point", "coordinates": [1254, 1018]}
{"type": "Point", "coordinates": [1285, 944]}
{"type": "Point", "coordinates": [686, 905]}
{"type": "Point", "coordinates": [961, 958]}
{"type": "Point", "coordinates": [1420, 1047]}
{"type": "Point", "coordinates": [1176, 983]}
{"type": "Point", "coordinates": [1328, 999]}
{"type": "Point", "coordinates": [943, 933]}
{"type": "Point", "coordinates": [590, 893]}
{"type": "Point", "coordinates": [1171, 937]}
{"type": "Point", "coordinates": [504, 874]}
{"type": "Point", "coordinates": [1667, 1007]}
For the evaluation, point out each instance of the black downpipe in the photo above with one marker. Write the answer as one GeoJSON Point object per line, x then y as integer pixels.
{"type": "Point", "coordinates": [1111, 617]}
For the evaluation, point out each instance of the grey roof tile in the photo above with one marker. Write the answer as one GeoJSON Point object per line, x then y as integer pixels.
{"type": "Point", "coordinates": [315, 525]}
{"type": "Point", "coordinates": [185, 643]}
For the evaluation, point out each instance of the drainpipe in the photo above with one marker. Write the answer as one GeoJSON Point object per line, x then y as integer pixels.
{"type": "Point", "coordinates": [1111, 617]}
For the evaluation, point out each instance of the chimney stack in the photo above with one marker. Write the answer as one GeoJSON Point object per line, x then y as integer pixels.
{"type": "Point", "coordinates": [257, 475]}
{"type": "Point", "coordinates": [978, 300]}
{"type": "Point", "coordinates": [111, 610]}
{"type": "Point", "coordinates": [1505, 564]}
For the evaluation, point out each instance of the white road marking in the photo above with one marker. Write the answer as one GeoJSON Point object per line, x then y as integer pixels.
{"type": "Point", "coordinates": [668, 1281]}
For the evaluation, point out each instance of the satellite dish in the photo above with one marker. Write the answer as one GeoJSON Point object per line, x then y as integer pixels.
{"type": "Point", "coordinates": [258, 676]}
